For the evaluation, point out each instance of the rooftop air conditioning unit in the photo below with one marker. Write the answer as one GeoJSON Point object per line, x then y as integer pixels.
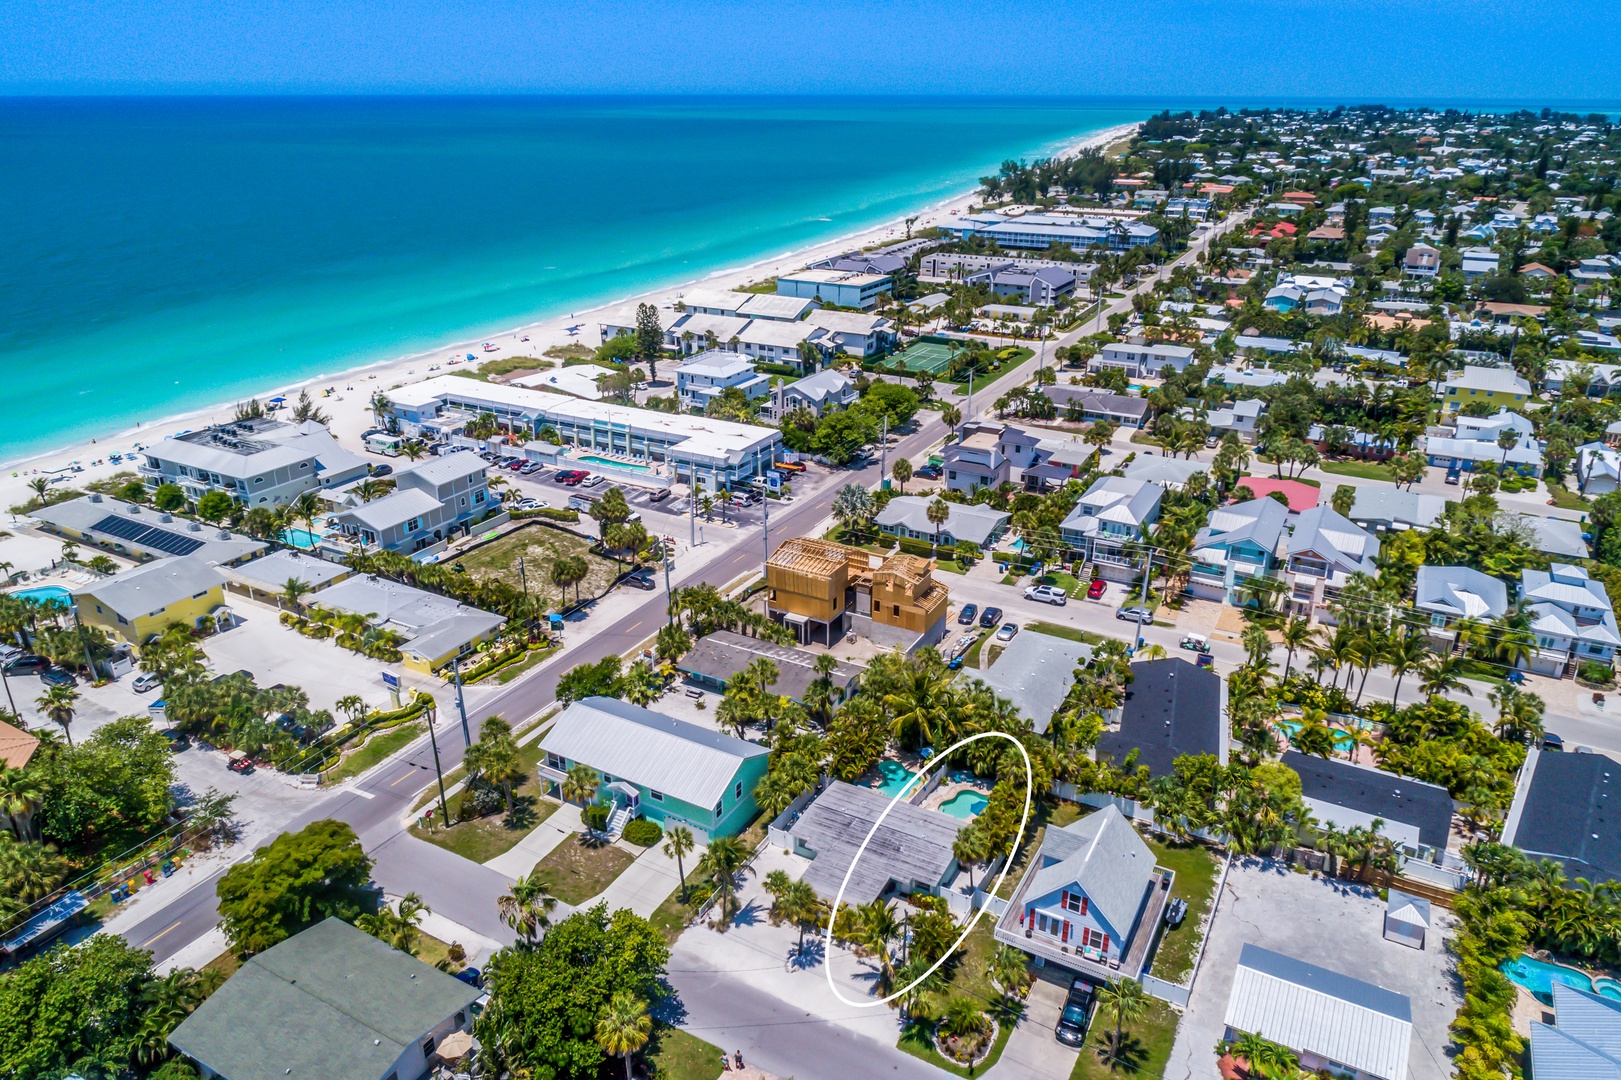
{"type": "Point", "coordinates": [225, 534]}
{"type": "Point", "coordinates": [194, 526]}
{"type": "Point", "coordinates": [165, 517]}
{"type": "Point", "coordinates": [134, 509]}
{"type": "Point", "coordinates": [94, 497]}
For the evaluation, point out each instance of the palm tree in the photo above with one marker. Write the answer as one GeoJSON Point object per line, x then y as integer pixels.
{"type": "Point", "coordinates": [580, 784]}
{"type": "Point", "coordinates": [304, 508]}
{"type": "Point", "coordinates": [1267, 1060]}
{"type": "Point", "coordinates": [937, 512]}
{"type": "Point", "coordinates": [1441, 674]}
{"type": "Point", "coordinates": [293, 590]}
{"type": "Point", "coordinates": [1123, 1002]}
{"type": "Point", "coordinates": [57, 704]}
{"type": "Point", "coordinates": [923, 707]}
{"type": "Point", "coordinates": [1010, 968]}
{"type": "Point", "coordinates": [527, 908]}
{"type": "Point", "coordinates": [902, 472]}
{"type": "Point", "coordinates": [721, 864]}
{"type": "Point", "coordinates": [20, 795]}
{"type": "Point", "coordinates": [1258, 644]}
{"type": "Point", "coordinates": [502, 763]}
{"type": "Point", "coordinates": [413, 448]}
{"type": "Point", "coordinates": [853, 507]}
{"type": "Point", "coordinates": [1405, 651]}
{"type": "Point", "coordinates": [624, 1027]}
{"type": "Point", "coordinates": [800, 905]}
{"type": "Point", "coordinates": [678, 844]}
{"type": "Point", "coordinates": [877, 928]}
{"type": "Point", "coordinates": [1296, 634]}
{"type": "Point", "coordinates": [380, 406]}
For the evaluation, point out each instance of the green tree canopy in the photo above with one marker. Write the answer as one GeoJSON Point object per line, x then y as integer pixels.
{"type": "Point", "coordinates": [295, 882]}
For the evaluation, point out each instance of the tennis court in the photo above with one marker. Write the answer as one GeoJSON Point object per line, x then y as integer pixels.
{"type": "Point", "coordinates": [930, 356]}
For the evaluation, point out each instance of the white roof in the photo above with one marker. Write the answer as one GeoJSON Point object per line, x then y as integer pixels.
{"type": "Point", "coordinates": [691, 763]}
{"type": "Point", "coordinates": [1501, 380]}
{"type": "Point", "coordinates": [848, 322]}
{"type": "Point", "coordinates": [716, 364]}
{"type": "Point", "coordinates": [579, 380]}
{"type": "Point", "coordinates": [769, 306]}
{"type": "Point", "coordinates": [1308, 1008]}
{"type": "Point", "coordinates": [148, 589]}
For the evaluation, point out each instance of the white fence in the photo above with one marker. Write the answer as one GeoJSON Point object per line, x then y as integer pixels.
{"type": "Point", "coordinates": [1443, 877]}
{"type": "Point", "coordinates": [1170, 992]}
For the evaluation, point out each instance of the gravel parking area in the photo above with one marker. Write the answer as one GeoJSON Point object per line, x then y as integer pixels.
{"type": "Point", "coordinates": [1333, 924]}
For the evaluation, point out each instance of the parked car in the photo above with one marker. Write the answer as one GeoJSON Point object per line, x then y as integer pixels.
{"type": "Point", "coordinates": [637, 581]}
{"type": "Point", "coordinates": [1072, 1022]}
{"type": "Point", "coordinates": [659, 496]}
{"type": "Point", "coordinates": [990, 617]}
{"type": "Point", "coordinates": [530, 468]}
{"type": "Point", "coordinates": [147, 680]}
{"type": "Point", "coordinates": [382, 470]}
{"type": "Point", "coordinates": [57, 677]}
{"type": "Point", "coordinates": [965, 617]}
{"type": "Point", "coordinates": [469, 975]}
{"type": "Point", "coordinates": [27, 664]}
{"type": "Point", "coordinates": [1453, 476]}
{"type": "Point", "coordinates": [1047, 594]}
{"type": "Point", "coordinates": [1550, 741]}
{"type": "Point", "coordinates": [1007, 632]}
{"type": "Point", "coordinates": [928, 472]}
{"type": "Point", "coordinates": [1095, 590]}
{"type": "Point", "coordinates": [177, 740]}
{"type": "Point", "coordinates": [1140, 615]}
{"type": "Point", "coordinates": [591, 481]}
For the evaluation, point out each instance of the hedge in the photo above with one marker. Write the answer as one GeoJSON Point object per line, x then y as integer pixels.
{"type": "Point", "coordinates": [643, 833]}
{"type": "Point", "coordinates": [548, 513]}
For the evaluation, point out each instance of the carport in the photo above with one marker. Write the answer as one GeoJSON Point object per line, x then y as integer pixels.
{"type": "Point", "coordinates": [1407, 919]}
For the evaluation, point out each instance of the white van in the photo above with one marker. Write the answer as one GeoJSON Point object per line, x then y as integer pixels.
{"type": "Point", "coordinates": [384, 443]}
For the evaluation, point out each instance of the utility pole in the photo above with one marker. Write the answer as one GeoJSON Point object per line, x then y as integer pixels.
{"type": "Point", "coordinates": [444, 808]}
{"type": "Point", "coordinates": [1148, 569]}
{"type": "Point", "coordinates": [765, 530]}
{"type": "Point", "coordinates": [692, 507]}
{"type": "Point", "coordinates": [522, 578]}
{"type": "Point", "coordinates": [461, 706]}
{"type": "Point", "coordinates": [669, 593]}
{"type": "Point", "coordinates": [9, 699]}
{"type": "Point", "coordinates": [883, 453]}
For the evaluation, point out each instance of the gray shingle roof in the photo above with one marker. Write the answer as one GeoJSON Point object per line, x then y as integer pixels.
{"type": "Point", "coordinates": [964, 521]}
{"type": "Point", "coordinates": [1034, 673]}
{"type": "Point", "coordinates": [1172, 708]}
{"type": "Point", "coordinates": [331, 1002]}
{"type": "Point", "coordinates": [446, 467]}
{"type": "Point", "coordinates": [913, 844]}
{"type": "Point", "coordinates": [1562, 811]}
{"type": "Point", "coordinates": [270, 573]}
{"type": "Point", "coordinates": [723, 654]}
{"type": "Point", "coordinates": [395, 508]}
{"type": "Point", "coordinates": [1102, 854]}
{"type": "Point", "coordinates": [691, 763]}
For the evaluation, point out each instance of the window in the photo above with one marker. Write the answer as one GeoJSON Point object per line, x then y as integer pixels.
{"type": "Point", "coordinates": [656, 796]}
{"type": "Point", "coordinates": [427, 1046]}
{"type": "Point", "coordinates": [461, 1019]}
{"type": "Point", "coordinates": [737, 792]}
{"type": "Point", "coordinates": [1073, 902]}
{"type": "Point", "coordinates": [1041, 923]}
{"type": "Point", "coordinates": [717, 810]}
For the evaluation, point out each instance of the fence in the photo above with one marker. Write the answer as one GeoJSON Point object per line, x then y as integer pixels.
{"type": "Point", "coordinates": [1453, 879]}
{"type": "Point", "coordinates": [1168, 992]}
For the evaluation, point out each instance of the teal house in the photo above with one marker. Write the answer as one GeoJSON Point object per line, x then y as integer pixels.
{"type": "Point", "coordinates": [655, 766]}
{"type": "Point", "coordinates": [1240, 543]}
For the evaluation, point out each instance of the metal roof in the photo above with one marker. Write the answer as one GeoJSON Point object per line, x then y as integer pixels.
{"type": "Point", "coordinates": [1413, 910]}
{"type": "Point", "coordinates": [1591, 1019]}
{"type": "Point", "coordinates": [272, 572]}
{"type": "Point", "coordinates": [671, 756]}
{"type": "Point", "coordinates": [332, 1002]}
{"type": "Point", "coordinates": [1461, 591]}
{"type": "Point", "coordinates": [1309, 1008]}
{"type": "Point", "coordinates": [913, 844]}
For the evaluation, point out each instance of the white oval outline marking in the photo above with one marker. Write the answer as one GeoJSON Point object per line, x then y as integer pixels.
{"type": "Point", "coordinates": [827, 935]}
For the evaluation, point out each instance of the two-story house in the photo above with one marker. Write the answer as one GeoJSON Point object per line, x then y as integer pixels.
{"type": "Point", "coordinates": [1421, 261]}
{"type": "Point", "coordinates": [1239, 418]}
{"type": "Point", "coordinates": [1240, 543]}
{"type": "Point", "coordinates": [1571, 617]}
{"type": "Point", "coordinates": [709, 374]}
{"type": "Point", "coordinates": [824, 392]}
{"type": "Point", "coordinates": [1322, 552]}
{"type": "Point", "coordinates": [1090, 902]}
{"type": "Point", "coordinates": [1141, 360]}
{"type": "Point", "coordinates": [655, 766]}
{"type": "Point", "coordinates": [1499, 388]}
{"type": "Point", "coordinates": [430, 503]}
{"type": "Point", "coordinates": [1111, 514]}
{"type": "Point", "coordinates": [1451, 593]}
{"type": "Point", "coordinates": [1598, 468]}
{"type": "Point", "coordinates": [1474, 446]}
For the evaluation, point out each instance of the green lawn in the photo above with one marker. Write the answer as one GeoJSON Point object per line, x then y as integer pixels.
{"type": "Point", "coordinates": [950, 566]}
{"type": "Point", "coordinates": [996, 650]}
{"type": "Point", "coordinates": [1565, 499]}
{"type": "Point", "coordinates": [482, 839]}
{"type": "Point", "coordinates": [1069, 633]}
{"type": "Point", "coordinates": [430, 950]}
{"type": "Point", "coordinates": [970, 659]}
{"type": "Point", "coordinates": [1145, 1048]}
{"type": "Point", "coordinates": [1367, 470]}
{"type": "Point", "coordinates": [1197, 870]}
{"type": "Point", "coordinates": [512, 671]}
{"type": "Point", "coordinates": [769, 285]}
{"type": "Point", "coordinates": [540, 546]}
{"type": "Point", "coordinates": [673, 1054]}
{"type": "Point", "coordinates": [375, 749]}
{"type": "Point", "coordinates": [1021, 356]}
{"type": "Point", "coordinates": [576, 871]}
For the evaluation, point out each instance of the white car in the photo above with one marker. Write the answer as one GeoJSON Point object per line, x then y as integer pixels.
{"type": "Point", "coordinates": [1046, 594]}
{"type": "Point", "coordinates": [147, 680]}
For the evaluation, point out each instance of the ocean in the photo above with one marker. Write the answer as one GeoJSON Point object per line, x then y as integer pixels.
{"type": "Point", "coordinates": [168, 254]}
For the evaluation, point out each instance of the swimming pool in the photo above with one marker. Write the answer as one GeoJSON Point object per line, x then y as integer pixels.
{"type": "Point", "coordinates": [1538, 976]}
{"type": "Point", "coordinates": [1344, 741]}
{"type": "Point", "coordinates": [964, 805]}
{"type": "Point", "coordinates": [49, 595]}
{"type": "Point", "coordinates": [892, 776]}
{"type": "Point", "coordinates": [592, 459]}
{"type": "Point", "coordinates": [301, 538]}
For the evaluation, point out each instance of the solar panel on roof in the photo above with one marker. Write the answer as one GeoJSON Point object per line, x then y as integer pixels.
{"type": "Point", "coordinates": [144, 535]}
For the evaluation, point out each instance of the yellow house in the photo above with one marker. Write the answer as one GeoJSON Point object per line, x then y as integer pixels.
{"type": "Point", "coordinates": [138, 603]}
{"type": "Point", "coordinates": [1494, 387]}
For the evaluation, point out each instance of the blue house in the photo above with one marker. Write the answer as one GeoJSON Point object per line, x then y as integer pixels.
{"type": "Point", "coordinates": [1240, 543]}
{"type": "Point", "coordinates": [1091, 900]}
{"type": "Point", "coordinates": [657, 767]}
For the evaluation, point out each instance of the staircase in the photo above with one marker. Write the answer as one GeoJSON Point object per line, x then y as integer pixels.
{"type": "Point", "coordinates": [618, 820]}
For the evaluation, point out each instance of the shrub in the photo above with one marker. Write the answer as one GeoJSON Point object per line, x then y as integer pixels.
{"type": "Point", "coordinates": [595, 816]}
{"type": "Point", "coordinates": [1601, 674]}
{"type": "Point", "coordinates": [643, 833]}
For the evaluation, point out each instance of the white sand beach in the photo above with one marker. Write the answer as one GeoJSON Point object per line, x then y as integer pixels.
{"type": "Point", "coordinates": [345, 396]}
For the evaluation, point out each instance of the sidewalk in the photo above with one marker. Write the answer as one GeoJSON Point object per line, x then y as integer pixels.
{"type": "Point", "coordinates": [645, 883]}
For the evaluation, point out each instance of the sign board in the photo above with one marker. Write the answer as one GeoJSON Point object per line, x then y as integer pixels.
{"type": "Point", "coordinates": [391, 680]}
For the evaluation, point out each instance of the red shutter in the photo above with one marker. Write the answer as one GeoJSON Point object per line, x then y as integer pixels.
{"type": "Point", "coordinates": [1105, 942]}
{"type": "Point", "coordinates": [1063, 900]}
{"type": "Point", "coordinates": [1084, 904]}
{"type": "Point", "coordinates": [1066, 931]}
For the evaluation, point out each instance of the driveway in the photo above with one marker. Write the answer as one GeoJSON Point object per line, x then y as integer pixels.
{"type": "Point", "coordinates": [1333, 924]}
{"type": "Point", "coordinates": [542, 840]}
{"type": "Point", "coordinates": [645, 883]}
{"type": "Point", "coordinates": [1031, 1050]}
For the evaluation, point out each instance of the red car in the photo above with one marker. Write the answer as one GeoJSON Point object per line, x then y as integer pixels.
{"type": "Point", "coordinates": [1095, 590]}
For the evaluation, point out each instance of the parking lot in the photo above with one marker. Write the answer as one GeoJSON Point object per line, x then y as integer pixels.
{"type": "Point", "coordinates": [1333, 924]}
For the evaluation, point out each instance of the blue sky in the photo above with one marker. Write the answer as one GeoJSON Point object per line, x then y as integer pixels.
{"type": "Point", "coordinates": [1347, 50]}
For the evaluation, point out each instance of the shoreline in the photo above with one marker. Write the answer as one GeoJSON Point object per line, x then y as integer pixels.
{"type": "Point", "coordinates": [543, 330]}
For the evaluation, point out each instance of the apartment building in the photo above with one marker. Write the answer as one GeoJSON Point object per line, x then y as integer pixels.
{"type": "Point", "coordinates": [430, 504]}
{"type": "Point", "coordinates": [841, 288]}
{"type": "Point", "coordinates": [258, 462]}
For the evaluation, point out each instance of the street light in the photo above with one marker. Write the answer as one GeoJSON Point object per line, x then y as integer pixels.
{"type": "Point", "coordinates": [444, 810]}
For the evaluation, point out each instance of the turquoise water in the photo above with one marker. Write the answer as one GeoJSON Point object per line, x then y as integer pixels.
{"type": "Point", "coordinates": [1343, 740]}
{"type": "Point", "coordinates": [592, 459]}
{"type": "Point", "coordinates": [53, 595]}
{"type": "Point", "coordinates": [300, 538]}
{"type": "Point", "coordinates": [1538, 976]}
{"type": "Point", "coordinates": [166, 254]}
{"type": "Point", "coordinates": [964, 805]}
{"type": "Point", "coordinates": [892, 777]}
